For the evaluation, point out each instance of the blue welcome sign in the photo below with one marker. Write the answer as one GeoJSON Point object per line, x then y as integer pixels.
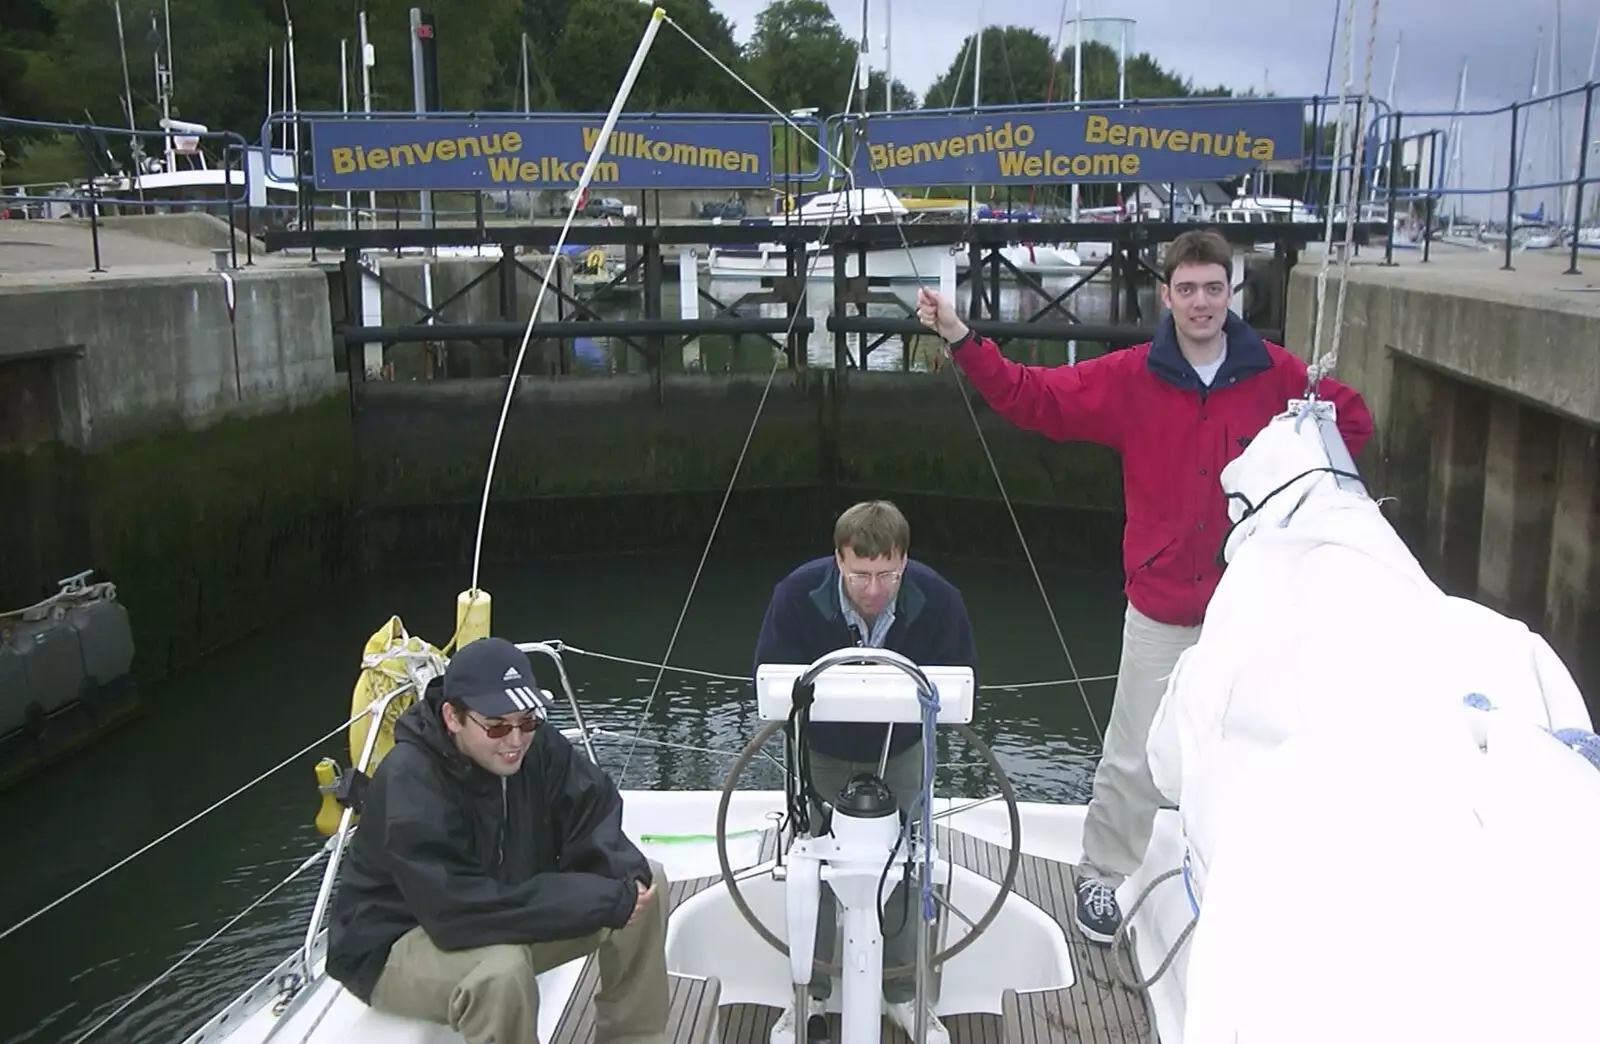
{"type": "Point", "coordinates": [1180, 142]}
{"type": "Point", "coordinates": [538, 152]}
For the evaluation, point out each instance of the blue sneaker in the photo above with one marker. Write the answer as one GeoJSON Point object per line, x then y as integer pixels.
{"type": "Point", "coordinates": [1098, 914]}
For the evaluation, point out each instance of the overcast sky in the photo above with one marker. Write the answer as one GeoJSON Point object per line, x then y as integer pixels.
{"type": "Point", "coordinates": [1253, 43]}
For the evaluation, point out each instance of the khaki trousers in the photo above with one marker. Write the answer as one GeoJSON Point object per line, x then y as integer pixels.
{"type": "Point", "coordinates": [1122, 811]}
{"type": "Point", "coordinates": [489, 996]}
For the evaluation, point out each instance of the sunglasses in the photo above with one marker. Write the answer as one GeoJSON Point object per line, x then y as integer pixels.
{"type": "Point", "coordinates": [503, 728]}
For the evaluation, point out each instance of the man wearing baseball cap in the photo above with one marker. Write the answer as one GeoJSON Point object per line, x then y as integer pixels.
{"type": "Point", "coordinates": [491, 851]}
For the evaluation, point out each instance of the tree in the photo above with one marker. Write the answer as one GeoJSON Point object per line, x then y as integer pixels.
{"type": "Point", "coordinates": [61, 60]}
{"type": "Point", "coordinates": [799, 57]}
{"type": "Point", "coordinates": [677, 77]}
{"type": "Point", "coordinates": [1015, 70]}
{"type": "Point", "coordinates": [588, 67]}
{"type": "Point", "coordinates": [902, 98]}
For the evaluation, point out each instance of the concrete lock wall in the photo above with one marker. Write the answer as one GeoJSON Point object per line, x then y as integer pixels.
{"type": "Point", "coordinates": [152, 353]}
{"type": "Point", "coordinates": [200, 460]}
{"type": "Point", "coordinates": [213, 464]}
{"type": "Point", "coordinates": [1487, 400]}
{"type": "Point", "coordinates": [594, 464]}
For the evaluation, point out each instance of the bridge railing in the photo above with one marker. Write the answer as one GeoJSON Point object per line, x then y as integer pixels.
{"type": "Point", "coordinates": [141, 173]}
{"type": "Point", "coordinates": [1514, 177]}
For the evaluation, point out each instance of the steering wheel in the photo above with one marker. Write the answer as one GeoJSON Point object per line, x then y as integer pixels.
{"type": "Point", "coordinates": [1014, 856]}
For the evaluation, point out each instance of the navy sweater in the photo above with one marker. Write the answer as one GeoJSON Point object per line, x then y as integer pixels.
{"type": "Point", "coordinates": [804, 621]}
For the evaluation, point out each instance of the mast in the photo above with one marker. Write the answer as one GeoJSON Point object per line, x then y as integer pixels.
{"type": "Point", "coordinates": [1533, 92]}
{"type": "Point", "coordinates": [1385, 160]}
{"type": "Point", "coordinates": [368, 59]}
{"type": "Point", "coordinates": [888, 55]}
{"type": "Point", "coordinates": [977, 79]}
{"type": "Point", "coordinates": [293, 87]}
{"type": "Point", "coordinates": [1556, 105]}
{"type": "Point", "coordinates": [527, 86]}
{"type": "Point", "coordinates": [864, 85]}
{"type": "Point", "coordinates": [135, 145]}
{"type": "Point", "coordinates": [1077, 84]}
{"type": "Point", "coordinates": [1594, 57]}
{"type": "Point", "coordinates": [1452, 168]}
{"type": "Point", "coordinates": [166, 6]}
{"type": "Point", "coordinates": [163, 94]}
{"type": "Point", "coordinates": [344, 105]}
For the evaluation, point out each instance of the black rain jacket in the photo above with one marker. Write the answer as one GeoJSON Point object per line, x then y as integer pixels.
{"type": "Point", "coordinates": [477, 859]}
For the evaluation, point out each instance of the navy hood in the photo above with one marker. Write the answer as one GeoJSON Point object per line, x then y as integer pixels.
{"type": "Point", "coordinates": [1247, 356]}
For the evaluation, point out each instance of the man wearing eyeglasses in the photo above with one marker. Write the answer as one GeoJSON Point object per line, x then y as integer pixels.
{"type": "Point", "coordinates": [1177, 408]}
{"type": "Point", "coordinates": [491, 851]}
{"type": "Point", "coordinates": [867, 593]}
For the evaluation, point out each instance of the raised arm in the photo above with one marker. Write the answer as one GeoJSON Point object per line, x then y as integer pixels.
{"type": "Point", "coordinates": [1065, 403]}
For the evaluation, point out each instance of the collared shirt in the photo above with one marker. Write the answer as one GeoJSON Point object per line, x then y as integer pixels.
{"type": "Point", "coordinates": [874, 635]}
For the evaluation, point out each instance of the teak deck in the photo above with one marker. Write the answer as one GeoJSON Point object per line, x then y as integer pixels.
{"type": "Point", "coordinates": [1096, 1009]}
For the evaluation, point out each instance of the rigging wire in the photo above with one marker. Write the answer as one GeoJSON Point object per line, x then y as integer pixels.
{"type": "Point", "coordinates": [125, 860]}
{"type": "Point", "coordinates": [595, 153]}
{"type": "Point", "coordinates": [1322, 362]}
{"type": "Point", "coordinates": [849, 175]}
{"type": "Point", "coordinates": [1005, 496]}
{"type": "Point", "coordinates": [304, 865]}
{"type": "Point", "coordinates": [778, 357]}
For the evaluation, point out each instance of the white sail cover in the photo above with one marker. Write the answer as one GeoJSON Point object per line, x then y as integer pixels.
{"type": "Point", "coordinates": [1386, 840]}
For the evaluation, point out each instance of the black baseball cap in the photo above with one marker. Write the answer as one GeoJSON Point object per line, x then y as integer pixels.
{"type": "Point", "coordinates": [493, 677]}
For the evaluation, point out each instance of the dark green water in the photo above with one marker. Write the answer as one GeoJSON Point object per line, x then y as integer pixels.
{"type": "Point", "coordinates": [235, 715]}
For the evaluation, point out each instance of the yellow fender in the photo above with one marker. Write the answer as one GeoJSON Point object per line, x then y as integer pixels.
{"type": "Point", "coordinates": [390, 658]}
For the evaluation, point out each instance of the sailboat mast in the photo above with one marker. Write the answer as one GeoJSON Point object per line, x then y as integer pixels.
{"type": "Point", "coordinates": [163, 96]}
{"type": "Point", "coordinates": [166, 6]}
{"type": "Point", "coordinates": [344, 106]}
{"type": "Point", "coordinates": [1077, 82]}
{"type": "Point", "coordinates": [1556, 105]}
{"type": "Point", "coordinates": [888, 55]}
{"type": "Point", "coordinates": [1453, 164]}
{"type": "Point", "coordinates": [527, 85]}
{"type": "Point", "coordinates": [367, 61]}
{"type": "Point", "coordinates": [1533, 92]}
{"type": "Point", "coordinates": [977, 79]}
{"type": "Point", "coordinates": [1386, 160]}
{"type": "Point", "coordinates": [1583, 146]}
{"type": "Point", "coordinates": [294, 87]}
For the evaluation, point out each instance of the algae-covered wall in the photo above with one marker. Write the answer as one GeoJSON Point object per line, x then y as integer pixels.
{"type": "Point", "coordinates": [197, 456]}
{"type": "Point", "coordinates": [212, 464]}
{"type": "Point", "coordinates": [209, 535]}
{"type": "Point", "coordinates": [609, 463]}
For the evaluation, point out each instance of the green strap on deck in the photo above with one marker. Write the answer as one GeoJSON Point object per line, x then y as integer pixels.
{"type": "Point", "coordinates": [676, 839]}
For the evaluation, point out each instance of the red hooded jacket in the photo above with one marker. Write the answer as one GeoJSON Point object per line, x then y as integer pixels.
{"type": "Point", "coordinates": [1174, 435]}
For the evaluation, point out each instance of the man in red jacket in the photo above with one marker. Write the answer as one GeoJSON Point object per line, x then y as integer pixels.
{"type": "Point", "coordinates": [1177, 410]}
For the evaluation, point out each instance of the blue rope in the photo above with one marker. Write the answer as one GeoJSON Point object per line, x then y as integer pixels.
{"type": "Point", "coordinates": [1582, 741]}
{"type": "Point", "coordinates": [930, 719]}
{"type": "Point", "coordinates": [1188, 885]}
